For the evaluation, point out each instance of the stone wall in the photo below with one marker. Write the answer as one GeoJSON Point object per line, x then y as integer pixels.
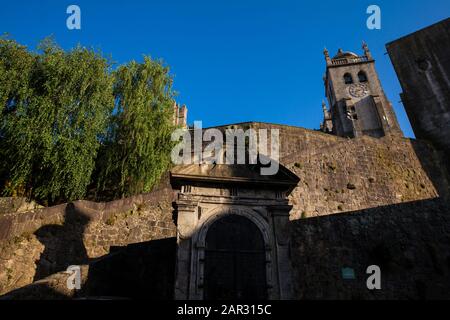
{"type": "Point", "coordinates": [393, 179]}
{"type": "Point", "coordinates": [36, 244]}
{"type": "Point", "coordinates": [422, 63]}
{"type": "Point", "coordinates": [142, 271]}
{"type": "Point", "coordinates": [410, 242]}
{"type": "Point", "coordinates": [17, 204]}
{"type": "Point", "coordinates": [292, 139]}
{"type": "Point", "coordinates": [339, 174]}
{"type": "Point", "coordinates": [53, 287]}
{"type": "Point", "coordinates": [363, 173]}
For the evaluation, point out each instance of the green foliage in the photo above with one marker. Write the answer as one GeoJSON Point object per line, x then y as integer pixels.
{"type": "Point", "coordinates": [66, 118]}
{"type": "Point", "coordinates": [137, 149]}
{"type": "Point", "coordinates": [53, 123]}
{"type": "Point", "coordinates": [56, 109]}
{"type": "Point", "coordinates": [16, 66]}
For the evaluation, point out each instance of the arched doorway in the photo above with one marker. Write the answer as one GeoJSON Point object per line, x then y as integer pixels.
{"type": "Point", "coordinates": [235, 261]}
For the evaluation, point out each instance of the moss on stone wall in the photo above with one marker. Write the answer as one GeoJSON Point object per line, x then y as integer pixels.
{"type": "Point", "coordinates": [357, 174]}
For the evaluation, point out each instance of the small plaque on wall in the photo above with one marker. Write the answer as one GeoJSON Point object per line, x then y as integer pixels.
{"type": "Point", "coordinates": [348, 274]}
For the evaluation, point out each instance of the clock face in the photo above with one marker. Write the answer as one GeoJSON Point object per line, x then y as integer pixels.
{"type": "Point", "coordinates": [358, 90]}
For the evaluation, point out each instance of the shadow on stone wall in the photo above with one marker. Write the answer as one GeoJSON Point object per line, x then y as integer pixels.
{"type": "Point", "coordinates": [435, 164]}
{"type": "Point", "coordinates": [138, 271]}
{"type": "Point", "coordinates": [69, 234]}
{"type": "Point", "coordinates": [410, 242]}
{"type": "Point", "coordinates": [63, 244]}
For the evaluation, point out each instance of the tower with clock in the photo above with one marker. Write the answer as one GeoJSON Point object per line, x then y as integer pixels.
{"type": "Point", "coordinates": [357, 103]}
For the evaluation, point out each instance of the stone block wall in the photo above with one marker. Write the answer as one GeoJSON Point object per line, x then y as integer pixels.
{"type": "Point", "coordinates": [422, 63]}
{"type": "Point", "coordinates": [388, 186]}
{"type": "Point", "coordinates": [363, 173]}
{"type": "Point", "coordinates": [17, 204]}
{"type": "Point", "coordinates": [410, 242]}
{"type": "Point", "coordinates": [292, 139]}
{"type": "Point", "coordinates": [142, 271]}
{"type": "Point", "coordinates": [53, 287]}
{"type": "Point", "coordinates": [340, 174]}
{"type": "Point", "coordinates": [36, 244]}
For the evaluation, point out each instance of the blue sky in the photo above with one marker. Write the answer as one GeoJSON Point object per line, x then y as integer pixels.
{"type": "Point", "coordinates": [233, 60]}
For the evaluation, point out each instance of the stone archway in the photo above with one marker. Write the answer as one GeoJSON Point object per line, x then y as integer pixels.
{"type": "Point", "coordinates": [209, 193]}
{"type": "Point", "coordinates": [235, 260]}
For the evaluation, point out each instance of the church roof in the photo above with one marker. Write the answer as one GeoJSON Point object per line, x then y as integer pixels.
{"type": "Point", "coordinates": [249, 174]}
{"type": "Point", "coordinates": [345, 54]}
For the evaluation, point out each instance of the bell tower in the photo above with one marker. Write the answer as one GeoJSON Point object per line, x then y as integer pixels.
{"type": "Point", "coordinates": [358, 104]}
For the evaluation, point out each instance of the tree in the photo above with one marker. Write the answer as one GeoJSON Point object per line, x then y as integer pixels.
{"type": "Point", "coordinates": [137, 149]}
{"type": "Point", "coordinates": [55, 110]}
{"type": "Point", "coordinates": [59, 109]}
{"type": "Point", "coordinates": [16, 65]}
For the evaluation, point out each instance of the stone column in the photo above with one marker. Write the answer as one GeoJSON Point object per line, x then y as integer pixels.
{"type": "Point", "coordinates": [281, 223]}
{"type": "Point", "coordinates": [186, 225]}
